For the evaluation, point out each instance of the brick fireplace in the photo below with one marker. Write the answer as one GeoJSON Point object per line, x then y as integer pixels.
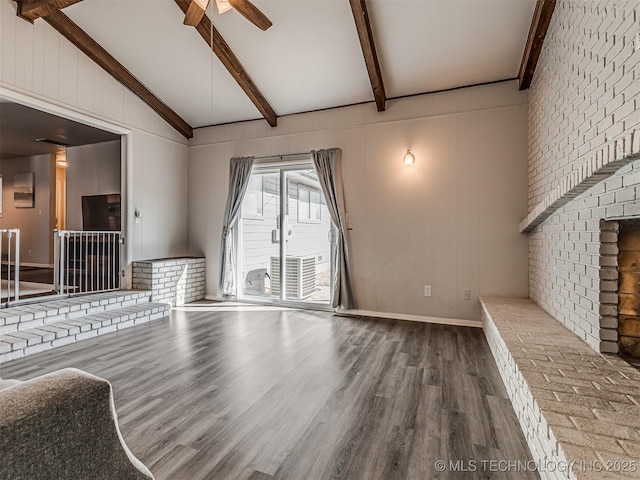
{"type": "Point", "coordinates": [620, 287]}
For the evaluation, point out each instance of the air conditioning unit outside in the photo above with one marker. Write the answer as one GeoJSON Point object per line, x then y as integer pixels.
{"type": "Point", "coordinates": [300, 279]}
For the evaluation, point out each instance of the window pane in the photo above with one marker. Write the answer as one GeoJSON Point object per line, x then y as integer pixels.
{"type": "Point", "coordinates": [303, 203]}
{"type": "Point", "coordinates": [315, 205]}
{"type": "Point", "coordinates": [253, 199]}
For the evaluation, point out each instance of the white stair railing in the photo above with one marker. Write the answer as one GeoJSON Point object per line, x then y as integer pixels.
{"type": "Point", "coordinates": [86, 262]}
{"type": "Point", "coordinates": [10, 242]}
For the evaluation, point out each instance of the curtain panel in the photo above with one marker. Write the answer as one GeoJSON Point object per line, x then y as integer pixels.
{"type": "Point", "coordinates": [328, 164]}
{"type": "Point", "coordinates": [239, 174]}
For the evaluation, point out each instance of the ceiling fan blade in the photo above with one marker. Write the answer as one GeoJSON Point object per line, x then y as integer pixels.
{"type": "Point", "coordinates": [195, 12]}
{"type": "Point", "coordinates": [249, 11]}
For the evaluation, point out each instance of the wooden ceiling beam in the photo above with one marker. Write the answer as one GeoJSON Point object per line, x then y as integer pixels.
{"type": "Point", "coordinates": [538, 30]}
{"type": "Point", "coordinates": [72, 32]}
{"type": "Point", "coordinates": [365, 34]}
{"type": "Point", "coordinates": [232, 64]}
{"type": "Point", "coordinates": [30, 10]}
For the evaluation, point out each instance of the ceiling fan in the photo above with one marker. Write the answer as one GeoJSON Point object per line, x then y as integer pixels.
{"type": "Point", "coordinates": [244, 7]}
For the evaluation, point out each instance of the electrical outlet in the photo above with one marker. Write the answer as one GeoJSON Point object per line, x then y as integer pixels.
{"type": "Point", "coordinates": [28, 253]}
{"type": "Point", "coordinates": [427, 290]}
{"type": "Point", "coordinates": [466, 294]}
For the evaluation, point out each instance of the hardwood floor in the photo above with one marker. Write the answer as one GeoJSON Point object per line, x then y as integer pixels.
{"type": "Point", "coordinates": [213, 393]}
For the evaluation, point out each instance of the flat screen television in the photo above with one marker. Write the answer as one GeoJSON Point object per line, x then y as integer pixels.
{"type": "Point", "coordinates": [101, 212]}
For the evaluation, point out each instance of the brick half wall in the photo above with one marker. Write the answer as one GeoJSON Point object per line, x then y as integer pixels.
{"type": "Point", "coordinates": [175, 281]}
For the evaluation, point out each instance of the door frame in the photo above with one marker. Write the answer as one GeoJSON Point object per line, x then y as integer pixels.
{"type": "Point", "coordinates": [126, 149]}
{"type": "Point", "coordinates": [280, 167]}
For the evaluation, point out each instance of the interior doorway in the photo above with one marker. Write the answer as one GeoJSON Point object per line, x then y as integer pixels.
{"type": "Point", "coordinates": [62, 161]}
{"type": "Point", "coordinates": [285, 237]}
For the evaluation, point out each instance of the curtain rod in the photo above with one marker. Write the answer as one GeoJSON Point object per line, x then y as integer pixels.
{"type": "Point", "coordinates": [282, 156]}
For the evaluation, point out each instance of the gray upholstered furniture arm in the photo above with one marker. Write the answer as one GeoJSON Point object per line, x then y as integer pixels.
{"type": "Point", "coordinates": [63, 426]}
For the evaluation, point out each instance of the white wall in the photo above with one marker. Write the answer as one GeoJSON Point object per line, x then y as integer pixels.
{"type": "Point", "coordinates": [91, 170]}
{"type": "Point", "coordinates": [584, 95]}
{"type": "Point", "coordinates": [450, 221]}
{"type": "Point", "coordinates": [38, 62]}
{"type": "Point", "coordinates": [33, 223]}
{"type": "Point", "coordinates": [159, 192]}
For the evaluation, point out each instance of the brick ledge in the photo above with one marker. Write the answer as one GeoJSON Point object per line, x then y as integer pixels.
{"type": "Point", "coordinates": [573, 404]}
{"type": "Point", "coordinates": [606, 161]}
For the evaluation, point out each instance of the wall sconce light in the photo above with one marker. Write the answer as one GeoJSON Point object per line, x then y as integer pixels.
{"type": "Point", "coordinates": [409, 159]}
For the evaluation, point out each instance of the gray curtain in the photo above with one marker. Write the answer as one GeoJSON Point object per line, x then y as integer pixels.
{"type": "Point", "coordinates": [328, 164]}
{"type": "Point", "coordinates": [239, 173]}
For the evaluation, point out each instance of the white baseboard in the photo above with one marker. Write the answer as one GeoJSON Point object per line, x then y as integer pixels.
{"type": "Point", "coordinates": [457, 322]}
{"type": "Point", "coordinates": [215, 298]}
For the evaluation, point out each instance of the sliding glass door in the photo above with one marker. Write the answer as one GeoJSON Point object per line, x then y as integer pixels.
{"type": "Point", "coordinates": [285, 237]}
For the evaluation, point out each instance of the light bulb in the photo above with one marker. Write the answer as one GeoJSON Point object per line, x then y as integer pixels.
{"type": "Point", "coordinates": [409, 159]}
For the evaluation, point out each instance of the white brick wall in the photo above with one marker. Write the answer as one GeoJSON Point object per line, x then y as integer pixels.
{"type": "Point", "coordinates": [585, 87]}
{"type": "Point", "coordinates": [175, 281]}
{"type": "Point", "coordinates": [566, 266]}
{"type": "Point", "coordinates": [585, 95]}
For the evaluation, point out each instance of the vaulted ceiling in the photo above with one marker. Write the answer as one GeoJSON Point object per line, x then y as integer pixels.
{"type": "Point", "coordinates": [311, 58]}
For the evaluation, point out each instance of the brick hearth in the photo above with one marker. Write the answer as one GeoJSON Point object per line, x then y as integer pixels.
{"type": "Point", "coordinates": [574, 404]}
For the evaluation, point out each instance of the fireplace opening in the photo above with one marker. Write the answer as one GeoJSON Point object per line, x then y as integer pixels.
{"type": "Point", "coordinates": [629, 290]}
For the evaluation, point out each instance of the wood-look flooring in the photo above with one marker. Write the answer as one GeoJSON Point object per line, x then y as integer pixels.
{"type": "Point", "coordinates": [286, 394]}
